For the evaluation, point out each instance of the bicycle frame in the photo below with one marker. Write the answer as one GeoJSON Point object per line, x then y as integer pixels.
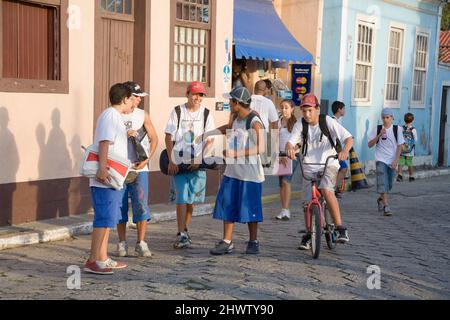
{"type": "Point", "coordinates": [315, 193]}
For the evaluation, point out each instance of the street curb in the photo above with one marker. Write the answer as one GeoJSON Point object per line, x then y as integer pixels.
{"type": "Point", "coordinates": [46, 232]}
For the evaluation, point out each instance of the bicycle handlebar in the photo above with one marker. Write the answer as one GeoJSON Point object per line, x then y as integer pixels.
{"type": "Point", "coordinates": [316, 164]}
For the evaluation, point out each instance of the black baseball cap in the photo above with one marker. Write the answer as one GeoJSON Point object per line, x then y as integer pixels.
{"type": "Point", "coordinates": [136, 89]}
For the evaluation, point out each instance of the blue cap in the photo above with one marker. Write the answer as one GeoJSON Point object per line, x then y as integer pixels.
{"type": "Point", "coordinates": [387, 112]}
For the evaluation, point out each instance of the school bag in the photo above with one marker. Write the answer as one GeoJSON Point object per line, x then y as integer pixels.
{"type": "Point", "coordinates": [324, 132]}
{"type": "Point", "coordinates": [410, 143]}
{"type": "Point", "coordinates": [266, 160]}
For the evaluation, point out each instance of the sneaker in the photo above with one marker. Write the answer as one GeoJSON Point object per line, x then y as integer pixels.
{"type": "Point", "coordinates": [380, 205]}
{"type": "Point", "coordinates": [342, 235]}
{"type": "Point", "coordinates": [93, 267]}
{"type": "Point", "coordinates": [411, 179]}
{"type": "Point", "coordinates": [399, 178]}
{"type": "Point", "coordinates": [222, 248]}
{"type": "Point", "coordinates": [110, 263]}
{"type": "Point", "coordinates": [182, 241]}
{"type": "Point", "coordinates": [387, 211]}
{"type": "Point", "coordinates": [122, 249]}
{"type": "Point", "coordinates": [338, 195]}
{"type": "Point", "coordinates": [188, 236]}
{"type": "Point", "coordinates": [285, 215]}
{"type": "Point", "coordinates": [142, 249]}
{"type": "Point", "coordinates": [306, 242]}
{"type": "Point", "coordinates": [252, 247]}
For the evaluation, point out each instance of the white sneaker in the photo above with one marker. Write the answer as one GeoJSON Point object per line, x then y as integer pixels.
{"type": "Point", "coordinates": [122, 249]}
{"type": "Point", "coordinates": [285, 214]}
{"type": "Point", "coordinates": [142, 249]}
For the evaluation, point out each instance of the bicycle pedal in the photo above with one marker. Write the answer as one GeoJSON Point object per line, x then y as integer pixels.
{"type": "Point", "coordinates": [302, 231]}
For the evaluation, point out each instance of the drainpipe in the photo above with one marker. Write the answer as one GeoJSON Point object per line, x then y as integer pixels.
{"type": "Point", "coordinates": [436, 73]}
{"type": "Point", "coordinates": [343, 50]}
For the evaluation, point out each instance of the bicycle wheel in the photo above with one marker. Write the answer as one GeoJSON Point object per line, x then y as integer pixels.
{"type": "Point", "coordinates": [316, 231]}
{"type": "Point", "coordinates": [330, 235]}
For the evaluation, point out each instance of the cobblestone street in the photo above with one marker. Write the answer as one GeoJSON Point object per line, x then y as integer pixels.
{"type": "Point", "coordinates": [411, 248]}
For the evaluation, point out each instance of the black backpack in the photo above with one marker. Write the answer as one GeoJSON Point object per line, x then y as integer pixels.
{"type": "Point", "coordinates": [395, 128]}
{"type": "Point", "coordinates": [325, 132]}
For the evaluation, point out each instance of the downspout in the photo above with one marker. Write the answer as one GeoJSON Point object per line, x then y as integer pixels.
{"type": "Point", "coordinates": [343, 50]}
{"type": "Point", "coordinates": [436, 74]}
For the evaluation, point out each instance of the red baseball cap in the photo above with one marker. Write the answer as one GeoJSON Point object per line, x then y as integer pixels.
{"type": "Point", "coordinates": [197, 87]}
{"type": "Point", "coordinates": [310, 100]}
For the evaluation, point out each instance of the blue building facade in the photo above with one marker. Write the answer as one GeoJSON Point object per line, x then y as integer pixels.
{"type": "Point", "coordinates": [382, 53]}
{"type": "Point", "coordinates": [441, 128]}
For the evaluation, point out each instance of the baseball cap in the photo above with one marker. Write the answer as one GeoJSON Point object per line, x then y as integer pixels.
{"type": "Point", "coordinates": [387, 112]}
{"type": "Point", "coordinates": [309, 100]}
{"type": "Point", "coordinates": [136, 89]}
{"type": "Point", "coordinates": [197, 87]}
{"type": "Point", "coordinates": [240, 94]}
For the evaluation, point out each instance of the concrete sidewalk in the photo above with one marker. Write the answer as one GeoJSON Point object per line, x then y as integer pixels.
{"type": "Point", "coordinates": [66, 227]}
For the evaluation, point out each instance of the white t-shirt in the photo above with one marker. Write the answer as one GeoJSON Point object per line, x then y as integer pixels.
{"type": "Point", "coordinates": [386, 148]}
{"type": "Point", "coordinates": [319, 151]}
{"type": "Point", "coordinates": [191, 126]}
{"type": "Point", "coordinates": [266, 110]}
{"type": "Point", "coordinates": [246, 168]}
{"type": "Point", "coordinates": [285, 135]}
{"type": "Point", "coordinates": [110, 127]}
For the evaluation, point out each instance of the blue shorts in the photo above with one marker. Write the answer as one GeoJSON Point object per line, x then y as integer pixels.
{"type": "Point", "coordinates": [239, 201]}
{"type": "Point", "coordinates": [385, 177]}
{"type": "Point", "coordinates": [138, 192]}
{"type": "Point", "coordinates": [343, 165]}
{"type": "Point", "coordinates": [107, 205]}
{"type": "Point", "coordinates": [190, 187]}
{"type": "Point", "coordinates": [288, 179]}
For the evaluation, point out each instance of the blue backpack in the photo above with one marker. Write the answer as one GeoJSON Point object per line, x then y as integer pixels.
{"type": "Point", "coordinates": [410, 143]}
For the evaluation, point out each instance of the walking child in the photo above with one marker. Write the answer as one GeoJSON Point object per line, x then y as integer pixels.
{"type": "Point", "coordinates": [406, 158]}
{"type": "Point", "coordinates": [388, 139]}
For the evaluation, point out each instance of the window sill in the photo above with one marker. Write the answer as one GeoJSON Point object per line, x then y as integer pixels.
{"type": "Point", "coordinates": [34, 86]}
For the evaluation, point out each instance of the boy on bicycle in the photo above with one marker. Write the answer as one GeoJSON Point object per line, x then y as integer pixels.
{"type": "Point", "coordinates": [320, 137]}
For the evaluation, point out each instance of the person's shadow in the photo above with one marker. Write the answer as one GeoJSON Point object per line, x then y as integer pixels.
{"type": "Point", "coordinates": [9, 165]}
{"type": "Point", "coordinates": [54, 165]}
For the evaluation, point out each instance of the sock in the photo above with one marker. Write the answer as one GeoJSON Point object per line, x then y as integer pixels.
{"type": "Point", "coordinates": [101, 264]}
{"type": "Point", "coordinates": [227, 241]}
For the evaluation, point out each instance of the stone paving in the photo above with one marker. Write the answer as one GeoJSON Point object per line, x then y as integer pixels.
{"type": "Point", "coordinates": [411, 249]}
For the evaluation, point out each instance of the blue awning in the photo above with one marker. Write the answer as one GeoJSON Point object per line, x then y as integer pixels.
{"type": "Point", "coordinates": [259, 34]}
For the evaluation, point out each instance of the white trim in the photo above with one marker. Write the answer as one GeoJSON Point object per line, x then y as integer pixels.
{"type": "Point", "coordinates": [410, 7]}
{"type": "Point", "coordinates": [367, 20]}
{"type": "Point", "coordinates": [421, 104]}
{"type": "Point", "coordinates": [398, 103]}
{"type": "Point", "coordinates": [343, 50]}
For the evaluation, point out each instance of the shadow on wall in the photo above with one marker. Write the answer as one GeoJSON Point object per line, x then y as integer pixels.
{"type": "Point", "coordinates": [54, 161]}
{"type": "Point", "coordinates": [9, 165]}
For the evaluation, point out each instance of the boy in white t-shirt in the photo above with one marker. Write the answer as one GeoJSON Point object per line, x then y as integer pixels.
{"type": "Point", "coordinates": [388, 140]}
{"type": "Point", "coordinates": [110, 134]}
{"type": "Point", "coordinates": [318, 149]}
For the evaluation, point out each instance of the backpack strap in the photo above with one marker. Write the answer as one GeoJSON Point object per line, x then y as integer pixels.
{"type": "Point", "coordinates": [205, 118]}
{"type": "Point", "coordinates": [395, 128]}
{"type": "Point", "coordinates": [305, 129]}
{"type": "Point", "coordinates": [379, 128]}
{"type": "Point", "coordinates": [326, 132]}
{"type": "Point", "coordinates": [251, 116]}
{"type": "Point", "coordinates": [178, 112]}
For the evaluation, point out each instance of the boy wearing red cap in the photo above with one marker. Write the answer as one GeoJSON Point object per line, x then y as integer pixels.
{"type": "Point", "coordinates": [316, 149]}
{"type": "Point", "coordinates": [187, 122]}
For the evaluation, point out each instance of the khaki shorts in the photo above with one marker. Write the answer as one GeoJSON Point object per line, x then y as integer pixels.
{"type": "Point", "coordinates": [328, 182]}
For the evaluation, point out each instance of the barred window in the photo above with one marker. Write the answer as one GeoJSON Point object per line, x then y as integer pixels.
{"type": "Point", "coordinates": [394, 66]}
{"type": "Point", "coordinates": [191, 45]}
{"type": "Point", "coordinates": [364, 62]}
{"type": "Point", "coordinates": [420, 68]}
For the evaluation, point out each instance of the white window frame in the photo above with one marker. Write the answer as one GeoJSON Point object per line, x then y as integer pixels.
{"type": "Point", "coordinates": [413, 103]}
{"type": "Point", "coordinates": [373, 23]}
{"type": "Point", "coordinates": [394, 26]}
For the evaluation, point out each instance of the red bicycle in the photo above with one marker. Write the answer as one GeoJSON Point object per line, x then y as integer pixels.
{"type": "Point", "coordinates": [318, 218]}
